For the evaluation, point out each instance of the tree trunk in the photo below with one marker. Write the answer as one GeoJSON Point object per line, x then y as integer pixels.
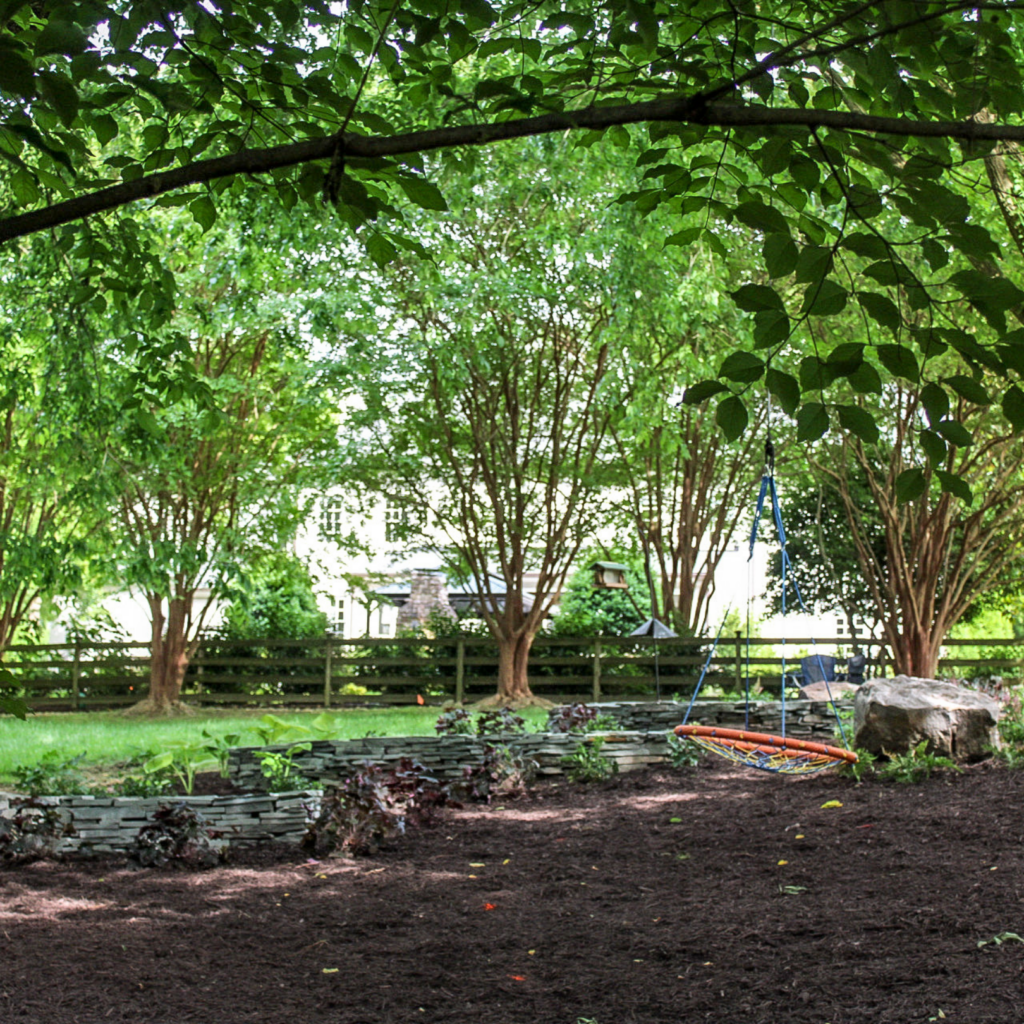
{"type": "Point", "coordinates": [169, 659]}
{"type": "Point", "coordinates": [513, 679]}
{"type": "Point", "coordinates": [916, 653]}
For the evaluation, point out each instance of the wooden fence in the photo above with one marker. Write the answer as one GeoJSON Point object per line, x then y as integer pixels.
{"type": "Point", "coordinates": [332, 672]}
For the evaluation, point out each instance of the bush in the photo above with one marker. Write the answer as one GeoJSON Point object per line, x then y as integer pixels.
{"type": "Point", "coordinates": [588, 764]}
{"type": "Point", "coordinates": [51, 775]}
{"type": "Point", "coordinates": [177, 836]}
{"type": "Point", "coordinates": [581, 718]}
{"type": "Point", "coordinates": [504, 772]}
{"type": "Point", "coordinates": [33, 832]}
{"type": "Point", "coordinates": [373, 806]}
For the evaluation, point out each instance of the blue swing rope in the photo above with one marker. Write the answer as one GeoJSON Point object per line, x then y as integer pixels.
{"type": "Point", "coordinates": [768, 491]}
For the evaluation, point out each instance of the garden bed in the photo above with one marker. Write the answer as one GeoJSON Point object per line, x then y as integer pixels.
{"type": "Point", "coordinates": [712, 894]}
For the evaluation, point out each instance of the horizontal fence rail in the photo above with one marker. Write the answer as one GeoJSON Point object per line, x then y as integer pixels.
{"type": "Point", "coordinates": [333, 672]}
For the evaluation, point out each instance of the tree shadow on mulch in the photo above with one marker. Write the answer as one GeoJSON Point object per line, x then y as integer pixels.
{"type": "Point", "coordinates": [714, 894]}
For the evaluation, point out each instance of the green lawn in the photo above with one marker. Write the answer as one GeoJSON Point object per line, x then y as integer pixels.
{"type": "Point", "coordinates": [106, 737]}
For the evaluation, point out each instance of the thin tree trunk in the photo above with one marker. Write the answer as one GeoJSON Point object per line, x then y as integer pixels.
{"type": "Point", "coordinates": [169, 659]}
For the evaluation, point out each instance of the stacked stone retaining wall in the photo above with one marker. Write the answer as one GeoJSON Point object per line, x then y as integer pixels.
{"type": "Point", "coordinates": [805, 719]}
{"type": "Point", "coordinates": [447, 757]}
{"type": "Point", "coordinates": [109, 824]}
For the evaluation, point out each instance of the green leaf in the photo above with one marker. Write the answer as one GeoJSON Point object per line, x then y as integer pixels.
{"type": "Point", "coordinates": [825, 299]}
{"type": "Point", "coordinates": [780, 255]}
{"type": "Point", "coordinates": [685, 237]}
{"type": "Point", "coordinates": [910, 485]}
{"type": "Point", "coordinates": [60, 37]}
{"type": "Point", "coordinates": [703, 391]}
{"type": "Point", "coordinates": [858, 422]}
{"type": "Point", "coordinates": [933, 446]}
{"type": "Point", "coordinates": [811, 422]}
{"type": "Point", "coordinates": [17, 76]}
{"type": "Point", "coordinates": [771, 326]}
{"type": "Point", "coordinates": [158, 762]}
{"type": "Point", "coordinates": [743, 367]}
{"type": "Point", "coordinates": [935, 402]}
{"type": "Point", "coordinates": [899, 361]}
{"type": "Point", "coordinates": [865, 380]}
{"type": "Point", "coordinates": [755, 297]}
{"type": "Point", "coordinates": [814, 263]}
{"type": "Point", "coordinates": [1013, 407]}
{"type": "Point", "coordinates": [381, 251]}
{"type": "Point", "coordinates": [969, 389]}
{"type": "Point", "coordinates": [104, 127]}
{"type": "Point", "coordinates": [785, 388]}
{"type": "Point", "coordinates": [731, 416]}
{"type": "Point", "coordinates": [956, 486]}
{"type": "Point", "coordinates": [13, 706]}
{"type": "Point", "coordinates": [955, 433]}
{"type": "Point", "coordinates": [764, 218]}
{"type": "Point", "coordinates": [882, 309]}
{"type": "Point", "coordinates": [423, 193]}
{"type": "Point", "coordinates": [203, 211]}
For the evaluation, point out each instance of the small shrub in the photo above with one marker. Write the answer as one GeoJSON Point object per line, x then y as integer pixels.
{"type": "Point", "coordinates": [588, 764]}
{"type": "Point", "coordinates": [683, 754]}
{"type": "Point", "coordinates": [143, 785]}
{"type": "Point", "coordinates": [280, 770]}
{"type": "Point", "coordinates": [581, 718]}
{"type": "Point", "coordinates": [456, 722]}
{"type": "Point", "coordinates": [219, 748]}
{"type": "Point", "coordinates": [864, 766]}
{"type": "Point", "coordinates": [915, 765]}
{"type": "Point", "coordinates": [184, 759]}
{"type": "Point", "coordinates": [51, 776]}
{"type": "Point", "coordinates": [373, 806]}
{"type": "Point", "coordinates": [33, 832]}
{"type": "Point", "coordinates": [177, 836]}
{"type": "Point", "coordinates": [500, 720]}
{"type": "Point", "coordinates": [504, 772]}
{"type": "Point", "coordinates": [1012, 755]}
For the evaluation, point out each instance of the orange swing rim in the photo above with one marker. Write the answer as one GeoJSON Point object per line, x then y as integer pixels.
{"type": "Point", "coordinates": [765, 743]}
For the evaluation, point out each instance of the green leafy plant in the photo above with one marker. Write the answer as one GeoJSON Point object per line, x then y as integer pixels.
{"type": "Point", "coordinates": [1011, 754]}
{"type": "Point", "coordinates": [581, 718]}
{"type": "Point", "coordinates": [183, 759]}
{"type": "Point", "coordinates": [862, 768]}
{"type": "Point", "coordinates": [503, 772]}
{"type": "Point", "coordinates": [280, 770]}
{"type": "Point", "coordinates": [998, 940]}
{"type": "Point", "coordinates": [682, 754]}
{"type": "Point", "coordinates": [33, 832]}
{"type": "Point", "coordinates": [157, 784]}
{"type": "Point", "coordinates": [916, 765]}
{"type": "Point", "coordinates": [588, 764]}
{"type": "Point", "coordinates": [499, 720]}
{"type": "Point", "coordinates": [220, 747]}
{"type": "Point", "coordinates": [273, 730]}
{"type": "Point", "coordinates": [177, 836]}
{"type": "Point", "coordinates": [373, 806]}
{"type": "Point", "coordinates": [52, 775]}
{"type": "Point", "coordinates": [456, 722]}
{"type": "Point", "coordinates": [11, 703]}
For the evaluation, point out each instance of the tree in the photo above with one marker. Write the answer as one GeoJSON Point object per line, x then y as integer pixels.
{"type": "Point", "coordinates": [842, 113]}
{"type": "Point", "coordinates": [484, 399]}
{"type": "Point", "coordinates": [53, 418]}
{"type": "Point", "coordinates": [942, 553]}
{"type": "Point", "coordinates": [216, 472]}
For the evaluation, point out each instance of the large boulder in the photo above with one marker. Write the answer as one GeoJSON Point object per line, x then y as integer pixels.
{"type": "Point", "coordinates": [892, 716]}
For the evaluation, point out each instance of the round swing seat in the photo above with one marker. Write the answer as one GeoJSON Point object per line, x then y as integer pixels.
{"type": "Point", "coordinates": [769, 753]}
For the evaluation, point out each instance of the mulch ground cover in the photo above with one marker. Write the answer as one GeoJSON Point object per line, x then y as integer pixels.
{"type": "Point", "coordinates": [714, 894]}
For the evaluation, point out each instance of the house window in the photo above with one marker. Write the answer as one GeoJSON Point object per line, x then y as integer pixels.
{"type": "Point", "coordinates": [396, 519]}
{"type": "Point", "coordinates": [331, 517]}
{"type": "Point", "coordinates": [336, 616]}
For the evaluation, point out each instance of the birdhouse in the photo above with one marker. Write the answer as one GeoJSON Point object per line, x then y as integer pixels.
{"type": "Point", "coordinates": [610, 576]}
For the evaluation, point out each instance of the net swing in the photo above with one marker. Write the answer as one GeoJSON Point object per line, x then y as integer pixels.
{"type": "Point", "coordinates": [767, 752]}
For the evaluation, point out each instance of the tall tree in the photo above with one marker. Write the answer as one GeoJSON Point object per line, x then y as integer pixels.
{"type": "Point", "coordinates": [217, 471]}
{"type": "Point", "coordinates": [943, 547]}
{"type": "Point", "coordinates": [486, 397]}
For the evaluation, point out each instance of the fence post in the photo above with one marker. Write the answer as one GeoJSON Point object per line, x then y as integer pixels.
{"type": "Point", "coordinates": [460, 672]}
{"type": "Point", "coordinates": [76, 672]}
{"type": "Point", "coordinates": [739, 661]}
{"type": "Point", "coordinates": [597, 671]}
{"type": "Point", "coordinates": [329, 647]}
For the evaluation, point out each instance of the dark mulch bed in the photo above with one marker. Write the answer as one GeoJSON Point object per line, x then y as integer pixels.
{"type": "Point", "coordinates": [759, 905]}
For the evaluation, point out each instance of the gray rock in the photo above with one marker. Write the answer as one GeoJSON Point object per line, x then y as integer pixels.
{"type": "Point", "coordinates": [894, 715]}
